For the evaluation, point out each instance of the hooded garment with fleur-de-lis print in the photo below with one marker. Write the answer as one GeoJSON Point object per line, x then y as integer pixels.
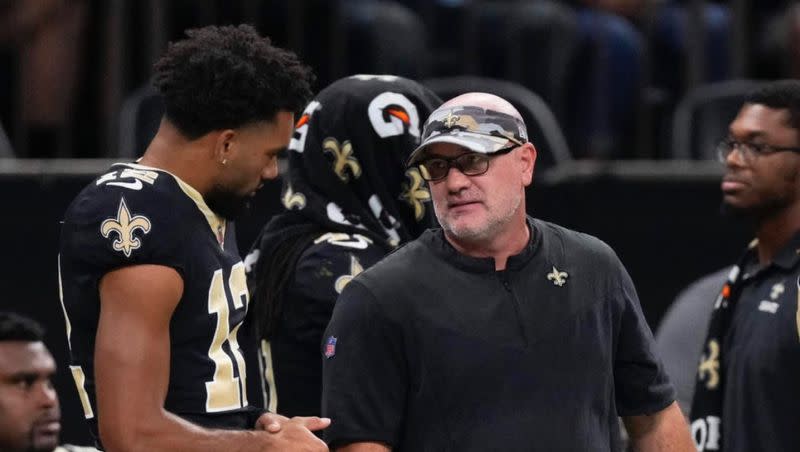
{"type": "Point", "coordinates": [347, 181]}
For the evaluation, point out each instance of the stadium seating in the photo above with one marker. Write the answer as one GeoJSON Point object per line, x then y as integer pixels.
{"type": "Point", "coordinates": [702, 118]}
{"type": "Point", "coordinates": [5, 145]}
{"type": "Point", "coordinates": [542, 50]}
{"type": "Point", "coordinates": [383, 38]}
{"type": "Point", "coordinates": [138, 122]}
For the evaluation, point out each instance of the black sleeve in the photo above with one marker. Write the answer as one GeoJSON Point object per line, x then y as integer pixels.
{"type": "Point", "coordinates": [641, 384]}
{"type": "Point", "coordinates": [365, 376]}
{"type": "Point", "coordinates": [115, 228]}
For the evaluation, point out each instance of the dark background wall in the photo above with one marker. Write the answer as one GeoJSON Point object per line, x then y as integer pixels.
{"type": "Point", "coordinates": [660, 217]}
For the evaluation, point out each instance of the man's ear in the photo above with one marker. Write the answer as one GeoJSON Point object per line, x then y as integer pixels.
{"type": "Point", "coordinates": [224, 145]}
{"type": "Point", "coordinates": [528, 158]}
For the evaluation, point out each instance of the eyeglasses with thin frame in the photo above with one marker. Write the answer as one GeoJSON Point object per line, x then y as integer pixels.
{"type": "Point", "coordinates": [749, 151]}
{"type": "Point", "coordinates": [470, 164]}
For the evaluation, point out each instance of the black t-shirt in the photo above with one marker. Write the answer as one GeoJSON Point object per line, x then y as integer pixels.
{"type": "Point", "coordinates": [136, 215]}
{"type": "Point", "coordinates": [761, 358]}
{"type": "Point", "coordinates": [431, 350]}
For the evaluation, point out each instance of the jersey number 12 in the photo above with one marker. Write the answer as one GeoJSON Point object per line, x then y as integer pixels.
{"type": "Point", "coordinates": [226, 391]}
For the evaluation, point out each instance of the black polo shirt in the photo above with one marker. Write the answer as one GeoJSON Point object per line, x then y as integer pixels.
{"type": "Point", "coordinates": [431, 350]}
{"type": "Point", "coordinates": [761, 357]}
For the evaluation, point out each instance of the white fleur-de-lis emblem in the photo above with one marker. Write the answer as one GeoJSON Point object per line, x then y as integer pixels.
{"type": "Point", "coordinates": [355, 269]}
{"type": "Point", "coordinates": [558, 278]}
{"type": "Point", "coordinates": [125, 225]}
{"type": "Point", "coordinates": [777, 290]}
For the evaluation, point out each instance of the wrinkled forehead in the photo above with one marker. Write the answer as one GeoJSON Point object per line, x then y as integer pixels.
{"type": "Point", "coordinates": [476, 120]}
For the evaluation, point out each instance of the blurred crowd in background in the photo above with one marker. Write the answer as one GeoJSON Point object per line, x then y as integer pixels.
{"type": "Point", "coordinates": [612, 72]}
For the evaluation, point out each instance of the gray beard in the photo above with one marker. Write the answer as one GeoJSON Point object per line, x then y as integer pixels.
{"type": "Point", "coordinates": [483, 234]}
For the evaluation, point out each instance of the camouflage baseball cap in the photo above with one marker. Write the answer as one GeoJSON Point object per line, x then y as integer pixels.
{"type": "Point", "coordinates": [475, 128]}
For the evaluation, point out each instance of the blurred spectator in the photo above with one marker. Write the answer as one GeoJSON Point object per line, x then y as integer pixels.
{"type": "Point", "coordinates": [42, 41]}
{"type": "Point", "coordinates": [630, 9]}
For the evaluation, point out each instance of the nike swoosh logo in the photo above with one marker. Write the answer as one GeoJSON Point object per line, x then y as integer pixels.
{"type": "Point", "coordinates": [135, 185]}
{"type": "Point", "coordinates": [354, 242]}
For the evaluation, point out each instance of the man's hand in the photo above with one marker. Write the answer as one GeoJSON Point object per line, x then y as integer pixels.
{"type": "Point", "coordinates": [293, 434]}
{"type": "Point", "coordinates": [273, 423]}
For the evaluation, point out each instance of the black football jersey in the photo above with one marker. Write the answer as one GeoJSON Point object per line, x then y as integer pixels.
{"type": "Point", "coordinates": [292, 355]}
{"type": "Point", "coordinates": [136, 215]}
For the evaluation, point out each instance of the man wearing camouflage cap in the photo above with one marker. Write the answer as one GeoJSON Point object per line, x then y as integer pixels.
{"type": "Point", "coordinates": [497, 331]}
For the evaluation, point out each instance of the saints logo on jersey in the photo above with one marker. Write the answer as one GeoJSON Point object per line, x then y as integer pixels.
{"type": "Point", "coordinates": [355, 269]}
{"type": "Point", "coordinates": [124, 226]}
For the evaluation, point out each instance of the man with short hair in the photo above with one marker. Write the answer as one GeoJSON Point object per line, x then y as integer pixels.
{"type": "Point", "coordinates": [30, 420]}
{"type": "Point", "coordinates": [746, 389]}
{"type": "Point", "coordinates": [152, 283]}
{"type": "Point", "coordinates": [497, 331]}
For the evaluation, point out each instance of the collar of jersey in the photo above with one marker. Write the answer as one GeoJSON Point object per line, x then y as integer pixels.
{"type": "Point", "coordinates": [786, 259]}
{"type": "Point", "coordinates": [216, 222]}
{"type": "Point", "coordinates": [445, 250]}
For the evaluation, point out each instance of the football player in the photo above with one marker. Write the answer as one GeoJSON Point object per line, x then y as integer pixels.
{"type": "Point", "coordinates": [152, 285]}
{"type": "Point", "coordinates": [349, 201]}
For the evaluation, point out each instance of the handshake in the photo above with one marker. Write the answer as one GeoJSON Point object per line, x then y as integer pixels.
{"type": "Point", "coordinates": [293, 434]}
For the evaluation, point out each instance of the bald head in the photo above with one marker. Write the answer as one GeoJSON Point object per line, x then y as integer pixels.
{"type": "Point", "coordinates": [483, 100]}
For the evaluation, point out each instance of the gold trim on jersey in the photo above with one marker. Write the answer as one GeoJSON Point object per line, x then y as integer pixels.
{"type": "Point", "coordinates": [215, 222]}
{"type": "Point", "coordinates": [269, 376]}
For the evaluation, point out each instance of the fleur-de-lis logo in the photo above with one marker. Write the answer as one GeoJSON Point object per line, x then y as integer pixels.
{"type": "Point", "coordinates": [451, 120]}
{"type": "Point", "coordinates": [558, 278]}
{"type": "Point", "coordinates": [343, 158]}
{"type": "Point", "coordinates": [415, 193]}
{"type": "Point", "coordinates": [709, 365]}
{"type": "Point", "coordinates": [355, 269]}
{"type": "Point", "coordinates": [777, 290]}
{"type": "Point", "coordinates": [125, 225]}
{"type": "Point", "coordinates": [293, 200]}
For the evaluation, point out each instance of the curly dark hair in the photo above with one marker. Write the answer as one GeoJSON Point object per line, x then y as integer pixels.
{"type": "Point", "coordinates": [224, 77]}
{"type": "Point", "coordinates": [779, 95]}
{"type": "Point", "coordinates": [14, 327]}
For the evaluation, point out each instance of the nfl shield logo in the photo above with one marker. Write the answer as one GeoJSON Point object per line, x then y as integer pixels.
{"type": "Point", "coordinates": [330, 347]}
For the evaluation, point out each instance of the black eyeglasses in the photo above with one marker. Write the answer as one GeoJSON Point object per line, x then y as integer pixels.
{"type": "Point", "coordinates": [470, 164]}
{"type": "Point", "coordinates": [748, 151]}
